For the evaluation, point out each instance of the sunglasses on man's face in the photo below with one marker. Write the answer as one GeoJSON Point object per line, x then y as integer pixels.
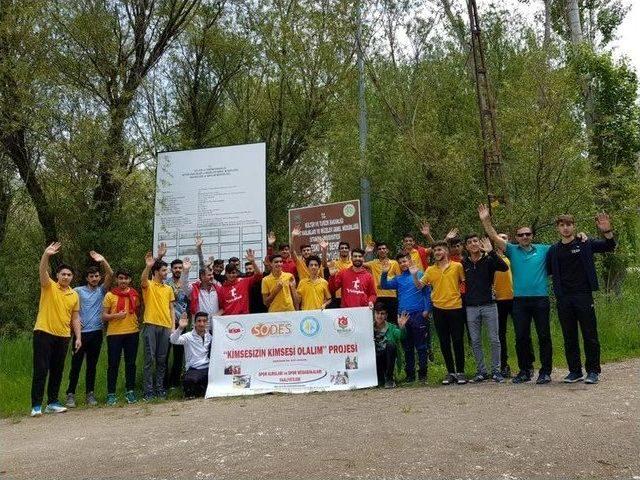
{"type": "Point", "coordinates": [525, 234]}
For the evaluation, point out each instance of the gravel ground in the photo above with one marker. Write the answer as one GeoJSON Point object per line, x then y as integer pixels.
{"type": "Point", "coordinates": [474, 431]}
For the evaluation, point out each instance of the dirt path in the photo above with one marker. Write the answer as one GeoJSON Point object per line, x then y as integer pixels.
{"type": "Point", "coordinates": [474, 431]}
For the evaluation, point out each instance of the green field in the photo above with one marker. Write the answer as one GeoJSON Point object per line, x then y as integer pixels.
{"type": "Point", "coordinates": [618, 319]}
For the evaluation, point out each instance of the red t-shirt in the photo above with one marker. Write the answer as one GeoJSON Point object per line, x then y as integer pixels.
{"type": "Point", "coordinates": [358, 288]}
{"type": "Point", "coordinates": [235, 297]}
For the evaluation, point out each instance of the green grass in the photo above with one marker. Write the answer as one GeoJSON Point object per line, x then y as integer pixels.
{"type": "Point", "coordinates": [618, 325]}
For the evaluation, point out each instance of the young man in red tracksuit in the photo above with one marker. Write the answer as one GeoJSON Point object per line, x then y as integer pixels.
{"type": "Point", "coordinates": [357, 284]}
{"type": "Point", "coordinates": [235, 293]}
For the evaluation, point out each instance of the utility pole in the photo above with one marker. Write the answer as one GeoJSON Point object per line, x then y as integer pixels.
{"type": "Point", "coordinates": [492, 153]}
{"type": "Point", "coordinates": [365, 186]}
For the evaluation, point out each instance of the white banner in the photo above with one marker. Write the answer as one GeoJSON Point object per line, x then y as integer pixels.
{"type": "Point", "coordinates": [219, 193]}
{"type": "Point", "coordinates": [292, 352]}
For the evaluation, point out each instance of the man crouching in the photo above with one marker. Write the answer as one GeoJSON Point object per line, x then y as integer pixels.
{"type": "Point", "coordinates": [197, 347]}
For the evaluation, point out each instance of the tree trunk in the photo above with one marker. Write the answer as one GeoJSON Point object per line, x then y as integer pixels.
{"type": "Point", "coordinates": [573, 21]}
{"type": "Point", "coordinates": [547, 23]}
{"type": "Point", "coordinates": [15, 146]}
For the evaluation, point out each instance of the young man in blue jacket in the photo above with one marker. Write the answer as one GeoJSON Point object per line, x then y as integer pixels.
{"type": "Point", "coordinates": [417, 304]}
{"type": "Point", "coordinates": [571, 266]}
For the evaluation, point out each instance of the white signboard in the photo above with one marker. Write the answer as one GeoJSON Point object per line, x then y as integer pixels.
{"type": "Point", "coordinates": [292, 352]}
{"type": "Point", "coordinates": [219, 193]}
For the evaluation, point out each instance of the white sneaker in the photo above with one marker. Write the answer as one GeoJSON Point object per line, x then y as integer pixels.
{"type": "Point", "coordinates": [55, 407]}
{"type": "Point", "coordinates": [71, 400]}
{"type": "Point", "coordinates": [36, 411]}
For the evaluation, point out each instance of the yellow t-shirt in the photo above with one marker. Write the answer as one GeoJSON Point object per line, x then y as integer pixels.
{"type": "Point", "coordinates": [55, 309]}
{"type": "Point", "coordinates": [342, 265]}
{"type": "Point", "coordinates": [313, 293]}
{"type": "Point", "coordinates": [128, 324]}
{"type": "Point", "coordinates": [283, 302]}
{"type": "Point", "coordinates": [503, 282]}
{"type": "Point", "coordinates": [445, 285]}
{"type": "Point", "coordinates": [376, 271]}
{"type": "Point", "coordinates": [303, 270]}
{"type": "Point", "coordinates": [157, 304]}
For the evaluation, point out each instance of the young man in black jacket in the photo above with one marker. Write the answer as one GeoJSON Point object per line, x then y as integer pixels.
{"type": "Point", "coordinates": [571, 266]}
{"type": "Point", "coordinates": [479, 268]}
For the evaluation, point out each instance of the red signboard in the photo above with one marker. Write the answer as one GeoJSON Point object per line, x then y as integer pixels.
{"type": "Point", "coordinates": [335, 222]}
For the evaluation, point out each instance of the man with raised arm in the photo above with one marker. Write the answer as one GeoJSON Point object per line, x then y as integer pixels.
{"type": "Point", "coordinates": [204, 293]}
{"type": "Point", "coordinates": [284, 251]}
{"type": "Point", "coordinates": [158, 322]}
{"type": "Point", "coordinates": [197, 347]}
{"type": "Point", "coordinates": [480, 266]}
{"type": "Point", "coordinates": [279, 292]}
{"type": "Point", "coordinates": [57, 316]}
{"type": "Point", "coordinates": [235, 292]}
{"type": "Point", "coordinates": [571, 266]}
{"type": "Point", "coordinates": [305, 253]}
{"type": "Point", "coordinates": [445, 278]}
{"type": "Point", "coordinates": [91, 296]}
{"type": "Point", "coordinates": [415, 304]}
{"type": "Point", "coordinates": [376, 266]}
{"type": "Point", "coordinates": [357, 284]}
{"type": "Point", "coordinates": [531, 296]}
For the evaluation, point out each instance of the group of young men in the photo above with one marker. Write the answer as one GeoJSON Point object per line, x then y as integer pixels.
{"type": "Point", "coordinates": [495, 279]}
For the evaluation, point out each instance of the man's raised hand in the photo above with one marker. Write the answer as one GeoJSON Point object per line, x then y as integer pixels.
{"type": "Point", "coordinates": [332, 267]}
{"type": "Point", "coordinates": [370, 247]}
{"type": "Point", "coordinates": [53, 248]}
{"type": "Point", "coordinates": [296, 231]}
{"type": "Point", "coordinates": [323, 244]}
{"type": "Point", "coordinates": [425, 228]}
{"type": "Point", "coordinates": [483, 212]}
{"type": "Point", "coordinates": [162, 250]}
{"type": "Point", "coordinates": [451, 234]}
{"type": "Point", "coordinates": [199, 241]}
{"type": "Point", "coordinates": [271, 238]}
{"type": "Point", "coordinates": [485, 245]}
{"type": "Point", "coordinates": [96, 256]}
{"type": "Point", "coordinates": [149, 260]}
{"type": "Point", "coordinates": [603, 222]}
{"type": "Point", "coordinates": [186, 263]}
{"type": "Point", "coordinates": [403, 318]}
{"type": "Point", "coordinates": [250, 255]}
{"type": "Point", "coordinates": [184, 321]}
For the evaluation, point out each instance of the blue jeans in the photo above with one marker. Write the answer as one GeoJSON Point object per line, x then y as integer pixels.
{"type": "Point", "coordinates": [417, 329]}
{"type": "Point", "coordinates": [526, 309]}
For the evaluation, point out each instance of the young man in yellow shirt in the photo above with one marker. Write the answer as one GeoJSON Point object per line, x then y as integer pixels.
{"type": "Point", "coordinates": [305, 253]}
{"type": "Point", "coordinates": [387, 297]}
{"type": "Point", "coordinates": [279, 288]}
{"type": "Point", "coordinates": [158, 322]}
{"type": "Point", "coordinates": [313, 290]}
{"type": "Point", "coordinates": [57, 315]}
{"type": "Point", "coordinates": [449, 317]}
{"type": "Point", "coordinates": [120, 313]}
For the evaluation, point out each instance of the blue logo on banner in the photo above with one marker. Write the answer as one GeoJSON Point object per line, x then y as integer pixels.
{"type": "Point", "coordinates": [309, 326]}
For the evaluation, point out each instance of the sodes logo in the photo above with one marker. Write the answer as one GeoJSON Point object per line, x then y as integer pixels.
{"type": "Point", "coordinates": [309, 326]}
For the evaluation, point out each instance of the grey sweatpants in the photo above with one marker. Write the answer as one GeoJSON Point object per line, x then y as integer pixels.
{"type": "Point", "coordinates": [476, 316]}
{"type": "Point", "coordinates": [156, 346]}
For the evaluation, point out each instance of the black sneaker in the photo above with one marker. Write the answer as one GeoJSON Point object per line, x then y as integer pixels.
{"type": "Point", "coordinates": [497, 377]}
{"type": "Point", "coordinates": [592, 377]}
{"type": "Point", "coordinates": [389, 384]}
{"type": "Point", "coordinates": [478, 378]}
{"type": "Point", "coordinates": [506, 372]}
{"type": "Point", "coordinates": [449, 379]}
{"type": "Point", "coordinates": [461, 378]}
{"type": "Point", "coordinates": [543, 378]}
{"type": "Point", "coordinates": [573, 377]}
{"type": "Point", "coordinates": [522, 377]}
